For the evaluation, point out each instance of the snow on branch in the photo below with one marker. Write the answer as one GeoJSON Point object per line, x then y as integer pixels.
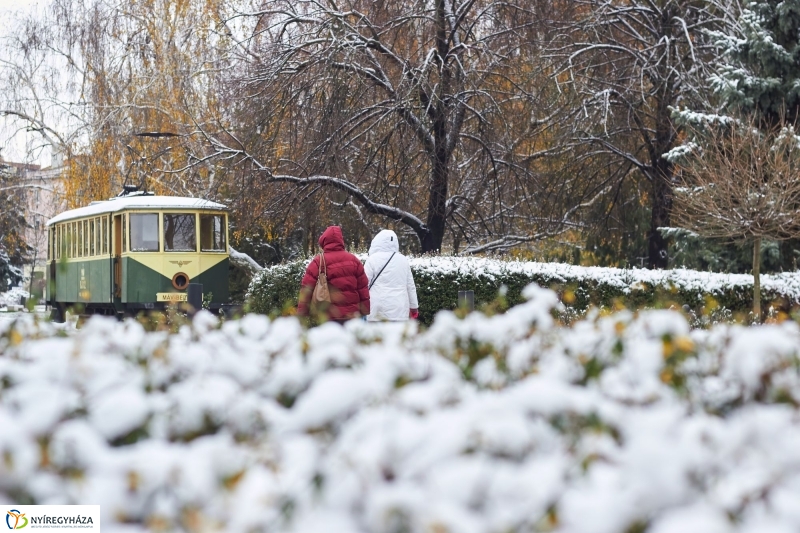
{"type": "Point", "coordinates": [371, 206]}
{"type": "Point", "coordinates": [243, 260]}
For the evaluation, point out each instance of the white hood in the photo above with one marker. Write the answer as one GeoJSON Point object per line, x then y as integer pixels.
{"type": "Point", "coordinates": [392, 293]}
{"type": "Point", "coordinates": [384, 241]}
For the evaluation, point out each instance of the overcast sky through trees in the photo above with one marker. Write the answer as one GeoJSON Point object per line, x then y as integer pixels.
{"type": "Point", "coordinates": [14, 149]}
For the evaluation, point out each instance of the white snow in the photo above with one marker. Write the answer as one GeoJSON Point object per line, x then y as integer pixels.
{"type": "Point", "coordinates": [136, 202]}
{"type": "Point", "coordinates": [12, 297]}
{"type": "Point", "coordinates": [625, 279]}
{"type": "Point", "coordinates": [244, 259]}
{"type": "Point", "coordinates": [620, 422]}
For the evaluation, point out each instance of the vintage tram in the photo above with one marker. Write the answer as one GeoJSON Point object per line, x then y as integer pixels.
{"type": "Point", "coordinates": [137, 252]}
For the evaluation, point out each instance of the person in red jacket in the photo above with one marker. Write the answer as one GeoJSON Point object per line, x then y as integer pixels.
{"type": "Point", "coordinates": [347, 281]}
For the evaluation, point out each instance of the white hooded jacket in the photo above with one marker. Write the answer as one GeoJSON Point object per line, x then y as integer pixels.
{"type": "Point", "coordinates": [393, 293]}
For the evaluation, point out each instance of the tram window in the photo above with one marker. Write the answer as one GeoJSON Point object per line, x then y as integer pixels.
{"type": "Point", "coordinates": [104, 235]}
{"type": "Point", "coordinates": [85, 238]}
{"type": "Point", "coordinates": [124, 233]}
{"type": "Point", "coordinates": [80, 238]}
{"type": "Point", "coordinates": [91, 238]}
{"type": "Point", "coordinates": [144, 232]}
{"type": "Point", "coordinates": [212, 233]}
{"type": "Point", "coordinates": [179, 233]}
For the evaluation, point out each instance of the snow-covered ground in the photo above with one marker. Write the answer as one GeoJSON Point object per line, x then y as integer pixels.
{"type": "Point", "coordinates": [11, 309]}
{"type": "Point", "coordinates": [12, 297]}
{"type": "Point", "coordinates": [617, 424]}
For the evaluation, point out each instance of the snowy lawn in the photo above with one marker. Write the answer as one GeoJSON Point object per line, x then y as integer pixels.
{"type": "Point", "coordinates": [625, 423]}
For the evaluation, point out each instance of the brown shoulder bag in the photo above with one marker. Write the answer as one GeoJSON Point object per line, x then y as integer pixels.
{"type": "Point", "coordinates": [321, 297]}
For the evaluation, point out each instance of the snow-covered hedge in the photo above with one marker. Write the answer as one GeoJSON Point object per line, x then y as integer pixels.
{"type": "Point", "coordinates": [618, 424]}
{"type": "Point", "coordinates": [439, 279]}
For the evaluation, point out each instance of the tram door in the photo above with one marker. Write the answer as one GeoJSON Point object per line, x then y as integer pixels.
{"type": "Point", "coordinates": [117, 256]}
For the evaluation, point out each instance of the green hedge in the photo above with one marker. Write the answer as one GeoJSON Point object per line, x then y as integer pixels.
{"type": "Point", "coordinates": [275, 290]}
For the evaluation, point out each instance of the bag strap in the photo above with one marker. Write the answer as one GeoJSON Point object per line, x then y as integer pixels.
{"type": "Point", "coordinates": [379, 273]}
{"type": "Point", "coordinates": [322, 264]}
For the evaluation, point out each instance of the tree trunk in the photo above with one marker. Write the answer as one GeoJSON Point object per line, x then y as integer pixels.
{"type": "Point", "coordinates": [437, 204]}
{"type": "Point", "coordinates": [440, 156]}
{"type": "Point", "coordinates": [660, 218]}
{"type": "Point", "coordinates": [662, 169]}
{"type": "Point", "coordinates": [757, 279]}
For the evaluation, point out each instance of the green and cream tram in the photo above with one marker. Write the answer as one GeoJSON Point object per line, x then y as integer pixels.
{"type": "Point", "coordinates": [137, 252]}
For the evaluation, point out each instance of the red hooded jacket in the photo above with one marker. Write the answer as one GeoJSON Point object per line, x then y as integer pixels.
{"type": "Point", "coordinates": [347, 281]}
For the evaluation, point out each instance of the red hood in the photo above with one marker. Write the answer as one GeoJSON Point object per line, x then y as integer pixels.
{"type": "Point", "coordinates": [331, 239]}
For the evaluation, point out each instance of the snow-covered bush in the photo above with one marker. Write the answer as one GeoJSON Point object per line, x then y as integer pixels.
{"type": "Point", "coordinates": [9, 274]}
{"type": "Point", "coordinates": [13, 297]}
{"type": "Point", "coordinates": [439, 279]}
{"type": "Point", "coordinates": [275, 287]}
{"type": "Point", "coordinates": [629, 422]}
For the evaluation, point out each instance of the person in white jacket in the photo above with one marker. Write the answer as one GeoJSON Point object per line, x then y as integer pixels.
{"type": "Point", "coordinates": [392, 293]}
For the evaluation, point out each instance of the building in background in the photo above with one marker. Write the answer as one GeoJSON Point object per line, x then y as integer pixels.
{"type": "Point", "coordinates": [43, 197]}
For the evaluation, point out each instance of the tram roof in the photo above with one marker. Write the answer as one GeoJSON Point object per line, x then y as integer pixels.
{"type": "Point", "coordinates": [122, 203]}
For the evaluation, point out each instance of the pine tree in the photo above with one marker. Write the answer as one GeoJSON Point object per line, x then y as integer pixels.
{"type": "Point", "coordinates": [760, 72]}
{"type": "Point", "coordinates": [758, 77]}
{"type": "Point", "coordinates": [14, 251]}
